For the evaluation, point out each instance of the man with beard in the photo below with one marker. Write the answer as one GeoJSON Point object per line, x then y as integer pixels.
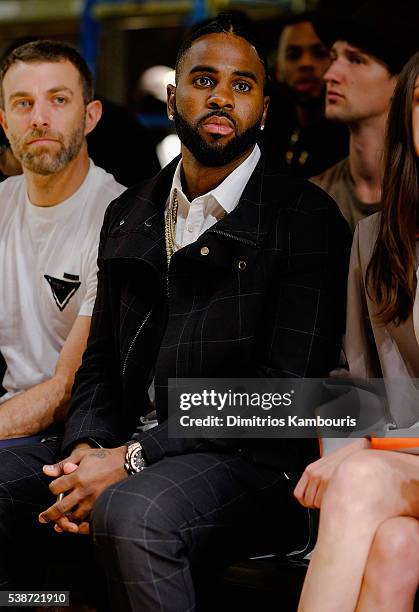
{"type": "Point", "coordinates": [298, 136]}
{"type": "Point", "coordinates": [215, 268]}
{"type": "Point", "coordinates": [50, 219]}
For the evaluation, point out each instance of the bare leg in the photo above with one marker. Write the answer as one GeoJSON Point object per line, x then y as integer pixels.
{"type": "Point", "coordinates": [366, 489]}
{"type": "Point", "coordinates": [392, 573]}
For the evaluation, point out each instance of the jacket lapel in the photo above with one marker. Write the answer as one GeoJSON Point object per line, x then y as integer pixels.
{"type": "Point", "coordinates": [251, 219]}
{"type": "Point", "coordinates": [137, 230]}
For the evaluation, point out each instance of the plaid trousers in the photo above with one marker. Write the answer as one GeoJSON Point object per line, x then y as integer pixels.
{"type": "Point", "coordinates": [166, 530]}
{"type": "Point", "coordinates": [161, 535]}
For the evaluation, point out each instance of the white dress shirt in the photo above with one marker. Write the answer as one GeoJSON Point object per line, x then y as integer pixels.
{"type": "Point", "coordinates": [195, 217]}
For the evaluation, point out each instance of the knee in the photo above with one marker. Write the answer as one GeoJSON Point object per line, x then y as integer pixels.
{"type": "Point", "coordinates": [128, 513]}
{"type": "Point", "coordinates": [131, 530]}
{"type": "Point", "coordinates": [393, 563]}
{"type": "Point", "coordinates": [356, 486]}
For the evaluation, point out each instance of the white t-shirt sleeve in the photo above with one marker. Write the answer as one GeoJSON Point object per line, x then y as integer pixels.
{"type": "Point", "coordinates": [86, 307]}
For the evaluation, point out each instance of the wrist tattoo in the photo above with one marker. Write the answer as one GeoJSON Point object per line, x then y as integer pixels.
{"type": "Point", "coordinates": [100, 453]}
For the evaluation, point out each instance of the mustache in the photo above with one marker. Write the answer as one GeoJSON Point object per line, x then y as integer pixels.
{"type": "Point", "coordinates": [217, 113]}
{"type": "Point", "coordinates": [36, 133]}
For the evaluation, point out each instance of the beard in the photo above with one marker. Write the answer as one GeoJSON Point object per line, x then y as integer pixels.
{"type": "Point", "coordinates": [213, 154]}
{"type": "Point", "coordinates": [41, 159]}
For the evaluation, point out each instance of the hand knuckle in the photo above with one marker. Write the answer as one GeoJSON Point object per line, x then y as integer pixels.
{"type": "Point", "coordinates": [60, 507]}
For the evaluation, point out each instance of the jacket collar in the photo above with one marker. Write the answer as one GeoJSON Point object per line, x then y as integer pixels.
{"type": "Point", "coordinates": [251, 219]}
{"type": "Point", "coordinates": [137, 227]}
{"type": "Point", "coordinates": [245, 227]}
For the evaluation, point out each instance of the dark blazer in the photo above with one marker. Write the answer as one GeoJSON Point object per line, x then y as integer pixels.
{"type": "Point", "coordinates": [267, 300]}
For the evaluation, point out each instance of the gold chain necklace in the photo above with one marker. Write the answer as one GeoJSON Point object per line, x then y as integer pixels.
{"type": "Point", "coordinates": [170, 225]}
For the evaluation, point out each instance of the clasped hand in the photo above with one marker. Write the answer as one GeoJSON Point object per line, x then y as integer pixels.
{"type": "Point", "coordinates": [315, 479]}
{"type": "Point", "coordinates": [81, 477]}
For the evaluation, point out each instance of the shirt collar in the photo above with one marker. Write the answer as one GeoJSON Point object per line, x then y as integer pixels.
{"type": "Point", "coordinates": [228, 193]}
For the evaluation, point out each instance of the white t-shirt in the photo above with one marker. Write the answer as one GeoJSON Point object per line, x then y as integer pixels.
{"type": "Point", "coordinates": [48, 259]}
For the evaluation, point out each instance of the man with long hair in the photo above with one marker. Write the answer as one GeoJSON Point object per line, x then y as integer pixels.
{"type": "Point", "coordinates": [366, 557]}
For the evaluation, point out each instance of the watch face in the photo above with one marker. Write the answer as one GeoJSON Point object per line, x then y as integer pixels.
{"type": "Point", "coordinates": [137, 461]}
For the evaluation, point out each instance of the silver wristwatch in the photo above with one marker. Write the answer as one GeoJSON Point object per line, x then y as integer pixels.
{"type": "Point", "coordinates": [134, 460]}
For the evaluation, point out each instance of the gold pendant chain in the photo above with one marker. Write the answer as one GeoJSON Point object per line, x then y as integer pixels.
{"type": "Point", "coordinates": [170, 225]}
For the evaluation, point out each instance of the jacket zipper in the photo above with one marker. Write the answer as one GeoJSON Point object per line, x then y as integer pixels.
{"type": "Point", "coordinates": [232, 236]}
{"type": "Point", "coordinates": [213, 231]}
{"type": "Point", "coordinates": [134, 340]}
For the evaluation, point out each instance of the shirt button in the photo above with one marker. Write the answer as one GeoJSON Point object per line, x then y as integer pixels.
{"type": "Point", "coordinates": [190, 228]}
{"type": "Point", "coordinates": [204, 250]}
{"type": "Point", "coordinates": [242, 265]}
{"type": "Point", "coordinates": [122, 222]}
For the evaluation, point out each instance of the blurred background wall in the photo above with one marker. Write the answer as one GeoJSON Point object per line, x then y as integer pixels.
{"type": "Point", "coordinates": [121, 39]}
{"type": "Point", "coordinates": [131, 46]}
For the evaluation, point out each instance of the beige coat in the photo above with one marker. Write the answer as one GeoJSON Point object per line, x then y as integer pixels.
{"type": "Point", "coordinates": [377, 351]}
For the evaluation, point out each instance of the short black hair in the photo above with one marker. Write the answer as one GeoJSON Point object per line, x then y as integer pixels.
{"type": "Point", "coordinates": [49, 51]}
{"type": "Point", "coordinates": [227, 23]}
{"type": "Point", "coordinates": [294, 18]}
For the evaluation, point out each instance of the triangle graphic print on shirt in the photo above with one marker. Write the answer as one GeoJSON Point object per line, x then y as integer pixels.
{"type": "Point", "coordinates": [62, 289]}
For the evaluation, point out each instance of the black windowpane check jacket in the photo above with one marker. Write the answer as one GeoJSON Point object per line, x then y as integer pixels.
{"type": "Point", "coordinates": [266, 300]}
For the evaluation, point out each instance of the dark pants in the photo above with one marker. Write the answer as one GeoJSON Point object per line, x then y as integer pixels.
{"type": "Point", "coordinates": [162, 531]}
{"type": "Point", "coordinates": [31, 552]}
{"type": "Point", "coordinates": [158, 533]}
{"type": "Point", "coordinates": [24, 493]}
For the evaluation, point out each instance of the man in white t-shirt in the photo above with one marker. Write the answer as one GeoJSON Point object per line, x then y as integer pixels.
{"type": "Point", "coordinates": [50, 219]}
